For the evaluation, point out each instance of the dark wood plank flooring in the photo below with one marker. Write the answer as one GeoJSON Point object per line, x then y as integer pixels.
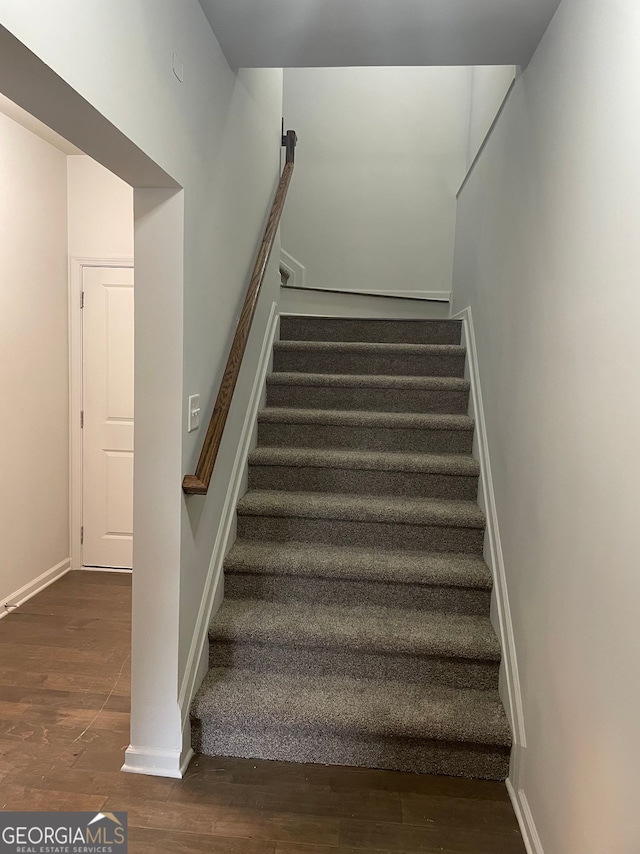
{"type": "Point", "coordinates": [64, 726]}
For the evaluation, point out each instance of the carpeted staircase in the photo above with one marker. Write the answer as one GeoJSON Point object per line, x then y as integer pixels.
{"type": "Point", "coordinates": [355, 626]}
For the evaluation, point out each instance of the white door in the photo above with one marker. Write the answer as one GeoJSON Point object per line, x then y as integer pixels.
{"type": "Point", "coordinates": [107, 401]}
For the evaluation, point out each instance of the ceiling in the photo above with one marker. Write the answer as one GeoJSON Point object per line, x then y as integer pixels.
{"type": "Point", "coordinates": [300, 33]}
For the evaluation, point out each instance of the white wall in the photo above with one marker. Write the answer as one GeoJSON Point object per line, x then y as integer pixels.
{"type": "Point", "coordinates": [216, 136]}
{"type": "Point", "coordinates": [34, 452]}
{"type": "Point", "coordinates": [100, 210]}
{"type": "Point", "coordinates": [548, 258]}
{"type": "Point", "coordinates": [381, 154]}
{"type": "Point", "coordinates": [489, 85]}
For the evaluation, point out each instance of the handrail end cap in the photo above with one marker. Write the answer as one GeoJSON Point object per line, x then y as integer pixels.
{"type": "Point", "coordinates": [192, 485]}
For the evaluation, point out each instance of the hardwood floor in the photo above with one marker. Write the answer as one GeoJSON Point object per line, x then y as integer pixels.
{"type": "Point", "coordinates": [64, 725]}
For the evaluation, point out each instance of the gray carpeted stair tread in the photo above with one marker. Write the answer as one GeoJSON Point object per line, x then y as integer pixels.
{"type": "Point", "coordinates": [369, 381]}
{"type": "Point", "coordinates": [358, 508]}
{"type": "Point", "coordinates": [298, 327]}
{"type": "Point", "coordinates": [339, 704]}
{"type": "Point", "coordinates": [344, 563]}
{"type": "Point", "coordinates": [452, 464]}
{"type": "Point", "coordinates": [363, 418]}
{"type": "Point", "coordinates": [369, 347]}
{"type": "Point", "coordinates": [356, 628]}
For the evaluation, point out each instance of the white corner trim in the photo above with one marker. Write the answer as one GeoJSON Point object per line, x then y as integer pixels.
{"type": "Point", "coordinates": [296, 270]}
{"type": "Point", "coordinates": [489, 132]}
{"type": "Point", "coordinates": [441, 296]}
{"type": "Point", "coordinates": [525, 819]}
{"type": "Point", "coordinates": [156, 763]}
{"type": "Point", "coordinates": [33, 587]}
{"type": "Point", "coordinates": [212, 589]}
{"type": "Point", "coordinates": [493, 543]}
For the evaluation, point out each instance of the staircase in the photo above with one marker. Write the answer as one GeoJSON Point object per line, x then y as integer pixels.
{"type": "Point", "coordinates": [355, 626]}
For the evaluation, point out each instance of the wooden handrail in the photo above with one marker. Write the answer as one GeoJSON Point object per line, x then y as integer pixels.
{"type": "Point", "coordinates": [198, 483]}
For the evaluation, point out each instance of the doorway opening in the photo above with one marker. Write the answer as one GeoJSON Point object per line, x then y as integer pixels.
{"type": "Point", "coordinates": [67, 366]}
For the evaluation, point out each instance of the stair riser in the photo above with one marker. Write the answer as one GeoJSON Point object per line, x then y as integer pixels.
{"type": "Point", "coordinates": [251, 740]}
{"type": "Point", "coordinates": [368, 399]}
{"type": "Point", "coordinates": [333, 591]}
{"type": "Point", "coordinates": [373, 331]}
{"type": "Point", "coordinates": [327, 661]}
{"type": "Point", "coordinates": [382, 535]}
{"type": "Point", "coordinates": [322, 362]}
{"type": "Point", "coordinates": [363, 482]}
{"type": "Point", "coordinates": [365, 438]}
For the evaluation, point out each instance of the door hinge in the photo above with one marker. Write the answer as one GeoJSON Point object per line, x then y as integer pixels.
{"type": "Point", "coordinates": [81, 418]}
{"type": "Point", "coordinates": [81, 299]}
{"type": "Point", "coordinates": [82, 536]}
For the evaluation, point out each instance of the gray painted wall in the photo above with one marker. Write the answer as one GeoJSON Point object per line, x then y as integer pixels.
{"type": "Point", "coordinates": [381, 154]}
{"type": "Point", "coordinates": [548, 257]}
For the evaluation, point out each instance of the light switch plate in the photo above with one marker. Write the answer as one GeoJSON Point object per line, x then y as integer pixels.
{"type": "Point", "coordinates": [193, 418]}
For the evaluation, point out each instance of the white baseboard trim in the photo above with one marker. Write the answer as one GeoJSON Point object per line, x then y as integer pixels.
{"type": "Point", "coordinates": [525, 819]}
{"type": "Point", "coordinates": [115, 569]}
{"type": "Point", "coordinates": [297, 271]}
{"type": "Point", "coordinates": [432, 296]}
{"type": "Point", "coordinates": [512, 697]}
{"type": "Point", "coordinates": [11, 603]}
{"type": "Point", "coordinates": [439, 296]}
{"type": "Point", "coordinates": [197, 662]}
{"type": "Point", "coordinates": [156, 763]}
